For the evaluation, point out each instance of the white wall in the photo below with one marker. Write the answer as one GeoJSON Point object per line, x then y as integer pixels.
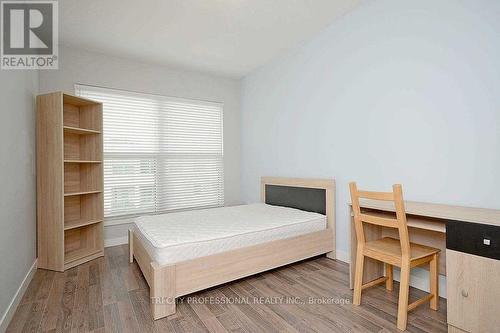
{"type": "Point", "coordinates": [18, 185]}
{"type": "Point", "coordinates": [79, 66]}
{"type": "Point", "coordinates": [394, 92]}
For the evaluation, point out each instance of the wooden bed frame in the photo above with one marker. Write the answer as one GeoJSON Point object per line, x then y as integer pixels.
{"type": "Point", "coordinates": [171, 281]}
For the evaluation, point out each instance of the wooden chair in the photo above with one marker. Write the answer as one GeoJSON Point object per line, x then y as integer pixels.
{"type": "Point", "coordinates": [393, 252]}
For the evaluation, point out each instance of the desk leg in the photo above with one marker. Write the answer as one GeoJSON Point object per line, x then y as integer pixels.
{"type": "Point", "coordinates": [373, 269]}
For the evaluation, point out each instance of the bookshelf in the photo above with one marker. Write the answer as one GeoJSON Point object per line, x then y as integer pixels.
{"type": "Point", "coordinates": [69, 181]}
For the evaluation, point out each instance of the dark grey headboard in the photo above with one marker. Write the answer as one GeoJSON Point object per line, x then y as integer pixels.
{"type": "Point", "coordinates": [303, 198]}
{"type": "Point", "coordinates": [313, 195]}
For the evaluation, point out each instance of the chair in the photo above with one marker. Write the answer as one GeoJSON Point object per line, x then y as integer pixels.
{"type": "Point", "coordinates": [393, 252]}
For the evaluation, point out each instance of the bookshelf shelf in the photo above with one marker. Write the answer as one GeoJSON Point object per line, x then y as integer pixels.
{"type": "Point", "coordinates": [81, 161]}
{"type": "Point", "coordinates": [80, 223]}
{"type": "Point", "coordinates": [81, 193]}
{"type": "Point", "coordinates": [79, 131]}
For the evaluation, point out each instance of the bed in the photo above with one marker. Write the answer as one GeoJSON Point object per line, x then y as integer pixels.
{"type": "Point", "coordinates": [181, 253]}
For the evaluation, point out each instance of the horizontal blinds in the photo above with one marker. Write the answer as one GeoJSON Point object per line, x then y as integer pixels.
{"type": "Point", "coordinates": [160, 153]}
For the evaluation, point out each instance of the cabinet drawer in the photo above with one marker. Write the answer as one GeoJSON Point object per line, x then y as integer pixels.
{"type": "Point", "coordinates": [473, 292]}
{"type": "Point", "coordinates": [479, 239]}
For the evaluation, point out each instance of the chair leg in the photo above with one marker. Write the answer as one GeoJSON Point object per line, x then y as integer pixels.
{"type": "Point", "coordinates": [434, 282]}
{"type": "Point", "coordinates": [404, 288]}
{"type": "Point", "coordinates": [389, 272]}
{"type": "Point", "coordinates": [358, 277]}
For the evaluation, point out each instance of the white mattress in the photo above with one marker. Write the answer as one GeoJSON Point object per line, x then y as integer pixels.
{"type": "Point", "coordinates": [176, 237]}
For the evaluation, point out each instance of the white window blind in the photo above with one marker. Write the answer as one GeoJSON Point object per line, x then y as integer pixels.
{"type": "Point", "coordinates": [160, 153]}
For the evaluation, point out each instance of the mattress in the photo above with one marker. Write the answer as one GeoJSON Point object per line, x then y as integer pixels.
{"type": "Point", "coordinates": [176, 237]}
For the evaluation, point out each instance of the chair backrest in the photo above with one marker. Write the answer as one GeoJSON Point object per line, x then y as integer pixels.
{"type": "Point", "coordinates": [399, 222]}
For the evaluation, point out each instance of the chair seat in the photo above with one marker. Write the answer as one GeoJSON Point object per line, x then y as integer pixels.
{"type": "Point", "coordinates": [390, 249]}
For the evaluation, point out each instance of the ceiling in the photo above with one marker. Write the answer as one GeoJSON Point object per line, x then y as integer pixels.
{"type": "Point", "coordinates": [226, 37]}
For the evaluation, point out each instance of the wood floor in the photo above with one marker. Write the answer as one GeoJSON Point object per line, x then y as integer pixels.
{"type": "Point", "coordinates": [111, 295]}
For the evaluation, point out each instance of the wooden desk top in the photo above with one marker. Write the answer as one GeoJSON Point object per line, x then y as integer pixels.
{"type": "Point", "coordinates": [439, 211]}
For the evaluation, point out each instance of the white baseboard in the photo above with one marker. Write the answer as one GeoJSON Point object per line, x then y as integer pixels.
{"type": "Point", "coordinates": [115, 241]}
{"type": "Point", "coordinates": [419, 278]}
{"type": "Point", "coordinates": [11, 309]}
{"type": "Point", "coordinates": [343, 256]}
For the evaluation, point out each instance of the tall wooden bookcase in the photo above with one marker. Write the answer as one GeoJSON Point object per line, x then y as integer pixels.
{"type": "Point", "coordinates": [69, 181]}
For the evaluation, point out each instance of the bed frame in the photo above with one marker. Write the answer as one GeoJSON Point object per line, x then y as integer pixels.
{"type": "Point", "coordinates": [171, 281]}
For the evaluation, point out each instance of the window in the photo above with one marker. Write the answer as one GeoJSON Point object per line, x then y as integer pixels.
{"type": "Point", "coordinates": [160, 153]}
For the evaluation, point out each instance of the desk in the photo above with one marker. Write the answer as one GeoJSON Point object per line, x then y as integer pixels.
{"type": "Point", "coordinates": [427, 226]}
